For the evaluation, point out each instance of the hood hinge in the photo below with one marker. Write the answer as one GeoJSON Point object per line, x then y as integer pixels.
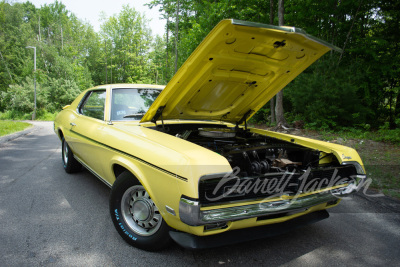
{"type": "Point", "coordinates": [158, 114]}
{"type": "Point", "coordinates": [244, 119]}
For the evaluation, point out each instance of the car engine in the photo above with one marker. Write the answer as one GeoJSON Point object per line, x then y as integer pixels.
{"type": "Point", "coordinates": [252, 153]}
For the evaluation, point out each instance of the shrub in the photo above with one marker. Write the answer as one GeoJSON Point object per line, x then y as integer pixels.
{"type": "Point", "coordinates": [52, 94]}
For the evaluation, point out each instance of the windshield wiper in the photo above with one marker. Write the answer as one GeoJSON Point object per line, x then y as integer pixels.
{"type": "Point", "coordinates": [134, 115]}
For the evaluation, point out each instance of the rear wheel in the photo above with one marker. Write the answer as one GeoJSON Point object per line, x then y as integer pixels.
{"type": "Point", "coordinates": [70, 164]}
{"type": "Point", "coordinates": [135, 216]}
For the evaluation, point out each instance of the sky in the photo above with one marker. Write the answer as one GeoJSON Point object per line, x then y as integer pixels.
{"type": "Point", "coordinates": [89, 10]}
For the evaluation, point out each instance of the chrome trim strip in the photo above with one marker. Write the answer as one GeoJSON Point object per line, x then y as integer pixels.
{"type": "Point", "coordinates": [93, 172]}
{"type": "Point", "coordinates": [191, 214]}
{"type": "Point", "coordinates": [266, 208]}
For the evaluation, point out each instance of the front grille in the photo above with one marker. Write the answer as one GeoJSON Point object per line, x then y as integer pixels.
{"type": "Point", "coordinates": [220, 190]}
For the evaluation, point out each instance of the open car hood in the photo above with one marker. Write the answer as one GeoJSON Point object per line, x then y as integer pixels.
{"type": "Point", "coordinates": [235, 71]}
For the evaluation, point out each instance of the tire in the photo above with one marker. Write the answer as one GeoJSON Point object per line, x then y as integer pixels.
{"type": "Point", "coordinates": [135, 216]}
{"type": "Point", "coordinates": [70, 164]}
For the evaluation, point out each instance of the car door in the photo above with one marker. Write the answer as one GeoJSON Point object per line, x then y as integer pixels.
{"type": "Point", "coordinates": [86, 130]}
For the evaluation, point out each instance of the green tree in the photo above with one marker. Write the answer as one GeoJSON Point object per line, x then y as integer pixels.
{"type": "Point", "coordinates": [128, 39]}
{"type": "Point", "coordinates": [157, 60]}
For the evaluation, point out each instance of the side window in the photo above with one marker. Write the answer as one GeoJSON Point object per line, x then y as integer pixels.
{"type": "Point", "coordinates": [131, 103]}
{"type": "Point", "coordinates": [94, 105]}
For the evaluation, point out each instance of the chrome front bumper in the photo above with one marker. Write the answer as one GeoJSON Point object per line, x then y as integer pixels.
{"type": "Point", "coordinates": [191, 214]}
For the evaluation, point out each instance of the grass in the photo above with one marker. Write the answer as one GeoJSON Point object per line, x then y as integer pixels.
{"type": "Point", "coordinates": [9, 127]}
{"type": "Point", "coordinates": [382, 163]}
{"type": "Point", "coordinates": [41, 115]}
{"type": "Point", "coordinates": [382, 135]}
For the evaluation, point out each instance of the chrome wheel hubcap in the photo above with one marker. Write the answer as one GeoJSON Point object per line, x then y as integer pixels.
{"type": "Point", "coordinates": [139, 211]}
{"type": "Point", "coordinates": [65, 154]}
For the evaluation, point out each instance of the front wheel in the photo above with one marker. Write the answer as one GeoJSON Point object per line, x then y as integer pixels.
{"type": "Point", "coordinates": [135, 216]}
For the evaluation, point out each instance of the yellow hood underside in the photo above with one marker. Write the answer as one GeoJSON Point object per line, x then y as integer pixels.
{"type": "Point", "coordinates": [237, 68]}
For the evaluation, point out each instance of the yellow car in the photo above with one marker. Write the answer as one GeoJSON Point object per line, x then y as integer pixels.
{"type": "Point", "coordinates": [181, 161]}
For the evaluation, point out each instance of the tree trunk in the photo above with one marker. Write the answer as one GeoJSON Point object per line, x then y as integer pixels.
{"type": "Point", "coordinates": [333, 24]}
{"type": "Point", "coordinates": [176, 35]}
{"type": "Point", "coordinates": [397, 106]}
{"type": "Point", "coordinates": [392, 105]}
{"type": "Point", "coordinates": [348, 34]}
{"type": "Point", "coordinates": [281, 12]}
{"type": "Point", "coordinates": [280, 116]}
{"type": "Point", "coordinates": [271, 12]}
{"type": "Point", "coordinates": [166, 45]}
{"type": "Point", "coordinates": [105, 53]}
{"type": "Point", "coordinates": [5, 65]}
{"type": "Point", "coordinates": [272, 107]}
{"type": "Point", "coordinates": [271, 21]}
{"type": "Point", "coordinates": [40, 37]}
{"type": "Point", "coordinates": [62, 39]}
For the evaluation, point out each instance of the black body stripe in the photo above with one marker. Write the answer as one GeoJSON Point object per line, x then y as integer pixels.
{"type": "Point", "coordinates": [133, 157]}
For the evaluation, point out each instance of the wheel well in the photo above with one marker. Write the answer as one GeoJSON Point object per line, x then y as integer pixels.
{"type": "Point", "coordinates": [60, 134]}
{"type": "Point", "coordinates": [118, 169]}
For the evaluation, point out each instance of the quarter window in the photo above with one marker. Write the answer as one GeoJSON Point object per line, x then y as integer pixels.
{"type": "Point", "coordinates": [94, 105]}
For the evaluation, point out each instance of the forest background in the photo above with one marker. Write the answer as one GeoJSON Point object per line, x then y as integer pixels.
{"type": "Point", "coordinates": [356, 90]}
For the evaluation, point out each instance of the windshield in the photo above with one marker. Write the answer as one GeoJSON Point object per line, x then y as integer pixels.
{"type": "Point", "coordinates": [131, 104]}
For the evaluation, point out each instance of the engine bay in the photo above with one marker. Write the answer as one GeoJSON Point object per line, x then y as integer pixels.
{"type": "Point", "coordinates": [259, 161]}
{"type": "Point", "coordinates": [252, 153]}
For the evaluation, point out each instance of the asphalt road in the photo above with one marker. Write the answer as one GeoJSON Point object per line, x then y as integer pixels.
{"type": "Point", "coordinates": [48, 217]}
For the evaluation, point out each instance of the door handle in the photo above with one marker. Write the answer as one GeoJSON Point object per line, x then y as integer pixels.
{"type": "Point", "coordinates": [72, 124]}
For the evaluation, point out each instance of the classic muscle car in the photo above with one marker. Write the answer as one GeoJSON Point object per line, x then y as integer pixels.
{"type": "Point", "coordinates": [182, 162]}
